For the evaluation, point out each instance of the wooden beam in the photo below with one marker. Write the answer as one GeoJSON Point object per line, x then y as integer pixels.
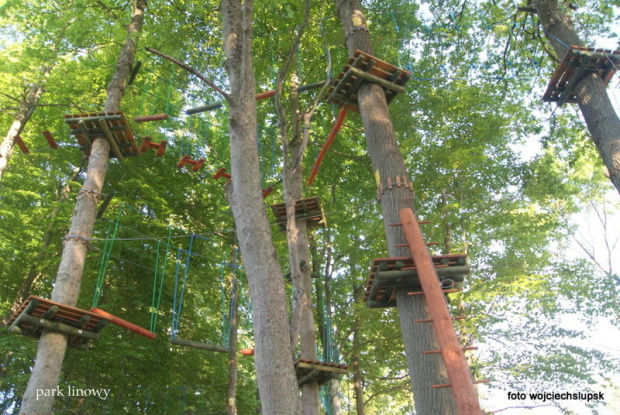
{"type": "Point", "coordinates": [377, 80]}
{"type": "Point", "coordinates": [54, 326]}
{"type": "Point", "coordinates": [155, 117]}
{"type": "Point", "coordinates": [308, 377]}
{"type": "Point", "coordinates": [111, 117]}
{"type": "Point", "coordinates": [110, 137]}
{"type": "Point", "coordinates": [199, 345]}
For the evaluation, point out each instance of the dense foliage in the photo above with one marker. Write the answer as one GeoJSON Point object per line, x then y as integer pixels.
{"type": "Point", "coordinates": [473, 103]}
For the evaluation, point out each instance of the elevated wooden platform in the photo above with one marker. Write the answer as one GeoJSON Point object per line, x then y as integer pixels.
{"type": "Point", "coordinates": [37, 314]}
{"type": "Point", "coordinates": [578, 62]}
{"type": "Point", "coordinates": [389, 274]}
{"type": "Point", "coordinates": [360, 68]}
{"type": "Point", "coordinates": [308, 209]}
{"type": "Point", "coordinates": [322, 372]}
{"type": "Point", "coordinates": [113, 126]}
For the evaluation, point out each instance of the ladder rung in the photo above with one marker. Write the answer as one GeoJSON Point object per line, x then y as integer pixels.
{"type": "Point", "coordinates": [428, 320]}
{"type": "Point", "coordinates": [452, 290]}
{"type": "Point", "coordinates": [421, 222]}
{"type": "Point", "coordinates": [439, 351]}
{"type": "Point", "coordinates": [448, 385]}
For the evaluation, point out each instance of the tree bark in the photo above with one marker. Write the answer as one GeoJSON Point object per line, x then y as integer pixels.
{"type": "Point", "coordinates": [232, 354]}
{"type": "Point", "coordinates": [592, 98]}
{"type": "Point", "coordinates": [302, 317]}
{"type": "Point", "coordinates": [26, 109]}
{"type": "Point", "coordinates": [387, 162]}
{"type": "Point", "coordinates": [358, 379]}
{"type": "Point", "coordinates": [52, 345]}
{"type": "Point", "coordinates": [34, 270]}
{"type": "Point", "coordinates": [277, 382]}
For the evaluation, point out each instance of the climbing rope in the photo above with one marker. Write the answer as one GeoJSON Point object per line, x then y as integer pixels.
{"type": "Point", "coordinates": [105, 256]}
{"type": "Point", "coordinates": [179, 288]}
{"type": "Point", "coordinates": [158, 281]}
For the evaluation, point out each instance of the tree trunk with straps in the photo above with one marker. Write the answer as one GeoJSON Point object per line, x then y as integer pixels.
{"type": "Point", "coordinates": [273, 359]}
{"type": "Point", "coordinates": [592, 98]}
{"type": "Point", "coordinates": [52, 345]}
{"type": "Point", "coordinates": [425, 370]}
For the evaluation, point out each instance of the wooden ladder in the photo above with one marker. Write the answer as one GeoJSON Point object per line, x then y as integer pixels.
{"type": "Point", "coordinates": [461, 382]}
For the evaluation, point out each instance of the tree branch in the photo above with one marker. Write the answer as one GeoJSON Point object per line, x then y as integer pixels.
{"type": "Point", "coordinates": [190, 70]}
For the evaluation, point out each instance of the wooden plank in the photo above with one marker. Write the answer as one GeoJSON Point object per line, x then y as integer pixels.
{"type": "Point", "coordinates": [92, 117]}
{"type": "Point", "coordinates": [199, 345]}
{"type": "Point", "coordinates": [111, 139]}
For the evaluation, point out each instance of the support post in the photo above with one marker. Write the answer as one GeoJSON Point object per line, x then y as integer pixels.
{"type": "Point", "coordinates": [463, 390]}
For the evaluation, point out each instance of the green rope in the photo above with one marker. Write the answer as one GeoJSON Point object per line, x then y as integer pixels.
{"type": "Point", "coordinates": [179, 289]}
{"type": "Point", "coordinates": [158, 291]}
{"type": "Point", "coordinates": [105, 257]}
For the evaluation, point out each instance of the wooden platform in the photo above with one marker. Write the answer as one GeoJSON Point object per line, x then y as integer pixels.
{"type": "Point", "coordinates": [578, 62]}
{"type": "Point", "coordinates": [322, 372]}
{"type": "Point", "coordinates": [37, 314]}
{"type": "Point", "coordinates": [308, 209]}
{"type": "Point", "coordinates": [389, 274]}
{"type": "Point", "coordinates": [360, 68]}
{"type": "Point", "coordinates": [113, 126]}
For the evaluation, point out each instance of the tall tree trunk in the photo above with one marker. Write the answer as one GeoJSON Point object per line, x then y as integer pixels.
{"type": "Point", "coordinates": [34, 270]}
{"type": "Point", "coordinates": [598, 112]}
{"type": "Point", "coordinates": [358, 380]}
{"type": "Point", "coordinates": [277, 382]}
{"type": "Point", "coordinates": [26, 109]}
{"type": "Point", "coordinates": [52, 345]}
{"type": "Point", "coordinates": [232, 354]}
{"type": "Point", "coordinates": [387, 162]}
{"type": "Point", "coordinates": [299, 250]}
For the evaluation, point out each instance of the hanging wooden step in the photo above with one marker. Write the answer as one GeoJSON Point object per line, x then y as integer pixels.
{"type": "Point", "coordinates": [308, 209]}
{"type": "Point", "coordinates": [20, 143]}
{"type": "Point", "coordinates": [148, 144]}
{"type": "Point", "coordinates": [37, 314]}
{"type": "Point", "coordinates": [308, 370]}
{"type": "Point", "coordinates": [363, 67]}
{"type": "Point", "coordinates": [187, 160]}
{"type": "Point", "coordinates": [577, 62]}
{"type": "Point", "coordinates": [387, 275]}
{"type": "Point", "coordinates": [111, 125]}
{"type": "Point", "coordinates": [50, 139]}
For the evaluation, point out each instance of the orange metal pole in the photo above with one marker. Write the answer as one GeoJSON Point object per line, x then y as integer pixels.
{"type": "Point", "coordinates": [123, 323]}
{"type": "Point", "coordinates": [339, 121]}
{"type": "Point", "coordinates": [463, 390]}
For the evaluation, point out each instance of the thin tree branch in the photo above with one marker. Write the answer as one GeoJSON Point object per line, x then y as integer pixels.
{"type": "Point", "coordinates": [190, 70]}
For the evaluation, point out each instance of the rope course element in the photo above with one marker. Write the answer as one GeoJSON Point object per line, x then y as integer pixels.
{"type": "Point", "coordinates": [158, 281]}
{"type": "Point", "coordinates": [111, 233]}
{"type": "Point", "coordinates": [342, 115]}
{"type": "Point", "coordinates": [182, 265]}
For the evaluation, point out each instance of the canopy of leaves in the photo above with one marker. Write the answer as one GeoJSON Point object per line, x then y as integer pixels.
{"type": "Point", "coordinates": [478, 71]}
